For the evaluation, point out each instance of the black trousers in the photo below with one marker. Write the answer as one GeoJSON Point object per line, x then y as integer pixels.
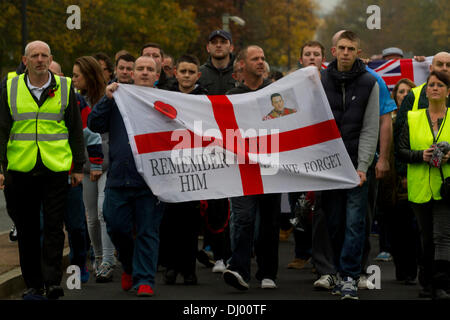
{"type": "Point", "coordinates": [179, 236]}
{"type": "Point", "coordinates": [25, 193]}
{"type": "Point", "coordinates": [406, 247]}
{"type": "Point", "coordinates": [217, 228]}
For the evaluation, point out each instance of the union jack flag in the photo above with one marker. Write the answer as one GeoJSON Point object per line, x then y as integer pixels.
{"type": "Point", "coordinates": [393, 70]}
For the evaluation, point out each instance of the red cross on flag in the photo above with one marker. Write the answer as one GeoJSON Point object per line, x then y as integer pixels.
{"type": "Point", "coordinates": [281, 138]}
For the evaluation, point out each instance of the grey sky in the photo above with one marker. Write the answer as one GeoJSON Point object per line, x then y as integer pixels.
{"type": "Point", "coordinates": [326, 5]}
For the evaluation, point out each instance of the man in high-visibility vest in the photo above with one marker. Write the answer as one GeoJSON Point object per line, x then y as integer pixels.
{"type": "Point", "coordinates": [41, 139]}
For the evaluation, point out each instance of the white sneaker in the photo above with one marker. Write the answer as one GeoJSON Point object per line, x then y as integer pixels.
{"type": "Point", "coordinates": [327, 281]}
{"type": "Point", "coordinates": [268, 284]}
{"type": "Point", "coordinates": [219, 266]}
{"type": "Point", "coordinates": [364, 283]}
{"type": "Point", "coordinates": [235, 280]}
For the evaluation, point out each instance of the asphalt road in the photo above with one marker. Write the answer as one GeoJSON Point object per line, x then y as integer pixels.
{"type": "Point", "coordinates": [292, 285]}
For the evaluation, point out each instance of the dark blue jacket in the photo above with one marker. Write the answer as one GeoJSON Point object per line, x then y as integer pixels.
{"type": "Point", "coordinates": [348, 94]}
{"type": "Point", "coordinates": [106, 117]}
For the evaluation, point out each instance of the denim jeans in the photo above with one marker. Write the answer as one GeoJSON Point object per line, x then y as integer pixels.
{"type": "Point", "coordinates": [75, 222]}
{"type": "Point", "coordinates": [123, 209]}
{"type": "Point", "coordinates": [346, 211]}
{"type": "Point", "coordinates": [244, 210]}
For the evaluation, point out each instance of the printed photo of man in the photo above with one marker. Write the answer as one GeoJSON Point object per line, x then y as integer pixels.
{"type": "Point", "coordinates": [279, 109]}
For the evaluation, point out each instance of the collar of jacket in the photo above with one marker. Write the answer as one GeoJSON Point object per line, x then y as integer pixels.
{"type": "Point", "coordinates": [358, 68]}
{"type": "Point", "coordinates": [227, 68]}
{"type": "Point", "coordinates": [265, 83]}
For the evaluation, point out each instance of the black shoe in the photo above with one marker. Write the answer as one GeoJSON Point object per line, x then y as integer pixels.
{"type": "Point", "coordinates": [425, 293]}
{"type": "Point", "coordinates": [440, 294]}
{"type": "Point", "coordinates": [54, 292]}
{"type": "Point", "coordinates": [33, 294]}
{"type": "Point", "coordinates": [190, 279]}
{"type": "Point", "coordinates": [409, 281]}
{"type": "Point", "coordinates": [203, 258]}
{"type": "Point", "coordinates": [170, 276]}
{"type": "Point", "coordinates": [13, 233]}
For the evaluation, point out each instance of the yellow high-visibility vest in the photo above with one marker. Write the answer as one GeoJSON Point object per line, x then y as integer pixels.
{"type": "Point", "coordinates": [424, 181]}
{"type": "Point", "coordinates": [416, 91]}
{"type": "Point", "coordinates": [37, 128]}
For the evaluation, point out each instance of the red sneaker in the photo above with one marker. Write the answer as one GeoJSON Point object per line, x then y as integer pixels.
{"type": "Point", "coordinates": [145, 291]}
{"type": "Point", "coordinates": [127, 281]}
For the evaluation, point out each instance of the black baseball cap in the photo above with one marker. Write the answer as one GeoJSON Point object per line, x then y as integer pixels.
{"type": "Point", "coordinates": [221, 33]}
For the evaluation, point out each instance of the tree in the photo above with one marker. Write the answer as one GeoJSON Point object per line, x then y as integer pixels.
{"type": "Point", "coordinates": [280, 27]}
{"type": "Point", "coordinates": [418, 27]}
{"type": "Point", "coordinates": [107, 26]}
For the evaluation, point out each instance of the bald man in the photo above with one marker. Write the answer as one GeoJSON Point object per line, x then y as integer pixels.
{"type": "Point", "coordinates": [128, 198]}
{"type": "Point", "coordinates": [35, 165]}
{"type": "Point", "coordinates": [55, 67]}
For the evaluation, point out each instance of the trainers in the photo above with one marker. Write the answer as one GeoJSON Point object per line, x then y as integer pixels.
{"type": "Point", "coordinates": [204, 258]}
{"type": "Point", "coordinates": [190, 279]}
{"type": "Point", "coordinates": [327, 281]}
{"type": "Point", "coordinates": [54, 292]}
{"type": "Point", "coordinates": [384, 256]}
{"type": "Point", "coordinates": [235, 280]}
{"type": "Point", "coordinates": [105, 273]}
{"type": "Point", "coordinates": [96, 265]}
{"type": "Point", "coordinates": [219, 266]}
{"type": "Point", "coordinates": [33, 294]}
{"type": "Point", "coordinates": [13, 233]}
{"type": "Point", "coordinates": [127, 281]}
{"type": "Point", "coordinates": [84, 276]}
{"type": "Point", "coordinates": [144, 290]}
{"type": "Point", "coordinates": [268, 284]}
{"type": "Point", "coordinates": [364, 283]}
{"type": "Point", "coordinates": [297, 264]}
{"type": "Point", "coordinates": [170, 276]}
{"type": "Point", "coordinates": [337, 290]}
{"type": "Point", "coordinates": [349, 289]}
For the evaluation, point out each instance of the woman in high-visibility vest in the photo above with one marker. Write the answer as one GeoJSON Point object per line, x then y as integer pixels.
{"type": "Point", "coordinates": [422, 146]}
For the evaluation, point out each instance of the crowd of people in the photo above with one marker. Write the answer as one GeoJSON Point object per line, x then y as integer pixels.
{"type": "Point", "coordinates": [64, 145]}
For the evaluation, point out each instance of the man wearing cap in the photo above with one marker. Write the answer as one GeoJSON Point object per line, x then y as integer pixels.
{"type": "Point", "coordinates": [392, 53]}
{"type": "Point", "coordinates": [216, 72]}
{"type": "Point", "coordinates": [217, 79]}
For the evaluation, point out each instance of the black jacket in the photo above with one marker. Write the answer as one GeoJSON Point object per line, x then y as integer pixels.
{"type": "Point", "coordinates": [217, 81]}
{"type": "Point", "coordinates": [348, 94]}
{"type": "Point", "coordinates": [197, 90]}
{"type": "Point", "coordinates": [242, 88]}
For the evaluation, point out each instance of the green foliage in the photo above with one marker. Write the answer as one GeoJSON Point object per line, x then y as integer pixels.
{"type": "Point", "coordinates": [107, 26]}
{"type": "Point", "coordinates": [418, 27]}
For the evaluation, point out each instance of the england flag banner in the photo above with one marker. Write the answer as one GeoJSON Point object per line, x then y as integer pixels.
{"type": "Point", "coordinates": [281, 138]}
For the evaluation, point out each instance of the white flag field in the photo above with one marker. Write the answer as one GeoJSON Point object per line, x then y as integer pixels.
{"type": "Point", "coordinates": [197, 147]}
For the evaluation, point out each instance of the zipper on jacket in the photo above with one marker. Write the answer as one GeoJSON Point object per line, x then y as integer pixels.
{"type": "Point", "coordinates": [343, 96]}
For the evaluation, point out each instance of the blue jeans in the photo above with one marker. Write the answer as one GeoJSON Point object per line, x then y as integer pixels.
{"type": "Point", "coordinates": [242, 224]}
{"type": "Point", "coordinates": [123, 209]}
{"type": "Point", "coordinates": [75, 222]}
{"type": "Point", "coordinates": [346, 211]}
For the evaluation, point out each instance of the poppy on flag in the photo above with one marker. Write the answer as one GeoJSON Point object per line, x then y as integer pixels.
{"type": "Point", "coordinates": [196, 147]}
